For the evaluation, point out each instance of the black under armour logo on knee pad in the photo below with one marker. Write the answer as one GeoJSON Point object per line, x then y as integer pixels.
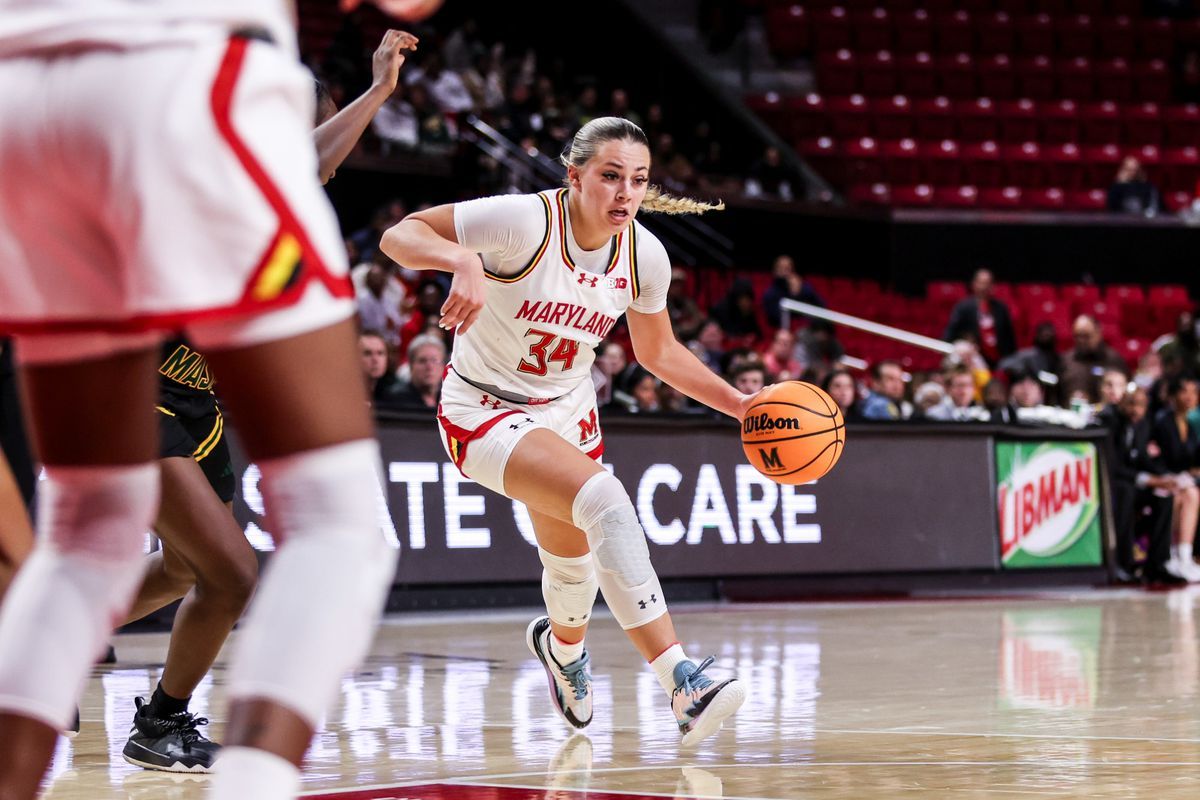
{"type": "Point", "coordinates": [642, 603]}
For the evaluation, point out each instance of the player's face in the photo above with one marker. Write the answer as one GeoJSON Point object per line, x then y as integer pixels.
{"type": "Point", "coordinates": [613, 183]}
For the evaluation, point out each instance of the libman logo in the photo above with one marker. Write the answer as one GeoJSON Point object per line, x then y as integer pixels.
{"type": "Point", "coordinates": [1048, 500]}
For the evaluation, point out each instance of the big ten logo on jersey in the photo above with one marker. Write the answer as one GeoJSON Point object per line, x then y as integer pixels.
{"type": "Point", "coordinates": [601, 281]}
{"type": "Point", "coordinates": [589, 429]}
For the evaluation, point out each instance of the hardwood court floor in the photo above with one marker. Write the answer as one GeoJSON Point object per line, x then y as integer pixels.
{"type": "Point", "coordinates": [1069, 695]}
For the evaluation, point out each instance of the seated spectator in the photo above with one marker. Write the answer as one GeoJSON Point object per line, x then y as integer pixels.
{"type": "Point", "coordinates": [1028, 396]}
{"type": "Point", "coordinates": [1149, 370]}
{"type": "Point", "coordinates": [619, 107]}
{"type": "Point", "coordinates": [841, 386]}
{"type": "Point", "coordinates": [445, 86]}
{"type": "Point", "coordinates": [819, 350]}
{"type": "Point", "coordinates": [380, 300]}
{"type": "Point", "coordinates": [769, 179]}
{"type": "Point", "coordinates": [686, 316]}
{"type": "Point", "coordinates": [749, 378]}
{"type": "Point", "coordinates": [787, 285]}
{"type": "Point", "coordinates": [424, 316]}
{"type": "Point", "coordinates": [377, 369]}
{"type": "Point", "coordinates": [886, 400]}
{"type": "Point", "coordinates": [959, 405]}
{"type": "Point", "coordinates": [736, 315]}
{"type": "Point", "coordinates": [1180, 454]}
{"type": "Point", "coordinates": [1183, 344]}
{"type": "Point", "coordinates": [926, 396]}
{"type": "Point", "coordinates": [426, 368]}
{"type": "Point", "coordinates": [999, 406]}
{"type": "Point", "coordinates": [709, 345]}
{"type": "Point", "coordinates": [1040, 359]}
{"type": "Point", "coordinates": [1084, 365]}
{"type": "Point", "coordinates": [1132, 192]}
{"type": "Point", "coordinates": [1141, 490]}
{"type": "Point", "coordinates": [609, 364]}
{"type": "Point", "coordinates": [780, 360]}
{"type": "Point", "coordinates": [396, 122]}
{"type": "Point", "coordinates": [1113, 387]}
{"type": "Point", "coordinates": [639, 394]}
{"type": "Point", "coordinates": [983, 319]}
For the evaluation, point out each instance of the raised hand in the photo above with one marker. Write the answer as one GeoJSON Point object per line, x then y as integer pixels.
{"type": "Point", "coordinates": [389, 57]}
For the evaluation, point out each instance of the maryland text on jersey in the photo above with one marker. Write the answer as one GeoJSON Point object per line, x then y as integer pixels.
{"type": "Point", "coordinates": [569, 315]}
{"type": "Point", "coordinates": [187, 367]}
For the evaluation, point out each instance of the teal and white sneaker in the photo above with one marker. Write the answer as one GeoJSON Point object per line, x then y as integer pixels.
{"type": "Point", "coordinates": [570, 684]}
{"type": "Point", "coordinates": [701, 705]}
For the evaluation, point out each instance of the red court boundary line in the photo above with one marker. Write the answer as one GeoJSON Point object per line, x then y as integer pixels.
{"type": "Point", "coordinates": [467, 791]}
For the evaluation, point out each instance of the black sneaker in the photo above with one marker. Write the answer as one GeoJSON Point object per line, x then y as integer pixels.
{"type": "Point", "coordinates": [73, 731]}
{"type": "Point", "coordinates": [169, 744]}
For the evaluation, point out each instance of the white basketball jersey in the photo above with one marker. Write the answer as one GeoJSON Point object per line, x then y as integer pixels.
{"type": "Point", "coordinates": [538, 328]}
{"type": "Point", "coordinates": [31, 26]}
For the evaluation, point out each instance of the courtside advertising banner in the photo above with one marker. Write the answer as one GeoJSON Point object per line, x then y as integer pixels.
{"type": "Point", "coordinates": [1048, 503]}
{"type": "Point", "coordinates": [896, 502]}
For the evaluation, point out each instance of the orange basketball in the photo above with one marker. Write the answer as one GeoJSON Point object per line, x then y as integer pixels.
{"type": "Point", "coordinates": [794, 432]}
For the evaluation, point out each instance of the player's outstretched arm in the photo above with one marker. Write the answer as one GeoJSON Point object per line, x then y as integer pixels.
{"type": "Point", "coordinates": [657, 349]}
{"type": "Point", "coordinates": [426, 240]}
{"type": "Point", "coordinates": [410, 10]}
{"type": "Point", "coordinates": [335, 138]}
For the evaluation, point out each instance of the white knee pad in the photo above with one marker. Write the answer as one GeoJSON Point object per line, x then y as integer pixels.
{"type": "Point", "coordinates": [76, 586]}
{"type": "Point", "coordinates": [627, 579]}
{"type": "Point", "coordinates": [569, 588]}
{"type": "Point", "coordinates": [319, 603]}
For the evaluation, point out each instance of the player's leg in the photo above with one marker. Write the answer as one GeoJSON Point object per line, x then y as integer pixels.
{"type": "Point", "coordinates": [569, 589]}
{"type": "Point", "coordinates": [98, 499]}
{"type": "Point", "coordinates": [302, 411]}
{"type": "Point", "coordinates": [16, 536]}
{"type": "Point", "coordinates": [579, 491]}
{"type": "Point", "coordinates": [199, 533]}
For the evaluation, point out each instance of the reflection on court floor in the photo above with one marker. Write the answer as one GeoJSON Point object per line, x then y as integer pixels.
{"type": "Point", "coordinates": [1090, 694]}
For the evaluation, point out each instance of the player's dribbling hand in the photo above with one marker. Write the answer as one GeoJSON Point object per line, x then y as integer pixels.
{"type": "Point", "coordinates": [389, 57]}
{"type": "Point", "coordinates": [467, 292]}
{"type": "Point", "coordinates": [410, 10]}
{"type": "Point", "coordinates": [744, 404]}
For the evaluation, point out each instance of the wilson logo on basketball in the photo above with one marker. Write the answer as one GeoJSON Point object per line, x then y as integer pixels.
{"type": "Point", "coordinates": [764, 422]}
{"type": "Point", "coordinates": [1047, 503]}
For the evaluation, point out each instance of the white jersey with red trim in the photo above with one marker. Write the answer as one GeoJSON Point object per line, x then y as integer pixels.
{"type": "Point", "coordinates": [549, 302]}
{"type": "Point", "coordinates": [33, 26]}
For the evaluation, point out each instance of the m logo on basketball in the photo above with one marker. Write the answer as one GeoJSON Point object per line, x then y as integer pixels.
{"type": "Point", "coordinates": [588, 428]}
{"type": "Point", "coordinates": [771, 460]}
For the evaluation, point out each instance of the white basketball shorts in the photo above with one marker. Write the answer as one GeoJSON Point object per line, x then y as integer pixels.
{"type": "Point", "coordinates": [163, 188]}
{"type": "Point", "coordinates": [480, 431]}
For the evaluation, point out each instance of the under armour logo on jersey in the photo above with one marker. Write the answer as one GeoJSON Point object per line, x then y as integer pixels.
{"type": "Point", "coordinates": [486, 401]}
{"type": "Point", "coordinates": [642, 603]}
{"type": "Point", "coordinates": [588, 280]}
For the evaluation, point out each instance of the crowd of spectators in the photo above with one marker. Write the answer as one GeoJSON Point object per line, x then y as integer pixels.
{"type": "Point", "coordinates": [538, 103]}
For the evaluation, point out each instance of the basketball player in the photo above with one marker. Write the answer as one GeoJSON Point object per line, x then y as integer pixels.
{"type": "Point", "coordinates": [205, 559]}
{"type": "Point", "coordinates": [159, 175]}
{"type": "Point", "coordinates": [539, 280]}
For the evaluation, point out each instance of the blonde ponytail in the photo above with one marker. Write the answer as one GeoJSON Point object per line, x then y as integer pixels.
{"type": "Point", "coordinates": [657, 201]}
{"type": "Point", "coordinates": [587, 141]}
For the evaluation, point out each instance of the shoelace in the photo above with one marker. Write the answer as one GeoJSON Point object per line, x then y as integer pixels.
{"type": "Point", "coordinates": [577, 675]}
{"type": "Point", "coordinates": [185, 725]}
{"type": "Point", "coordinates": [695, 680]}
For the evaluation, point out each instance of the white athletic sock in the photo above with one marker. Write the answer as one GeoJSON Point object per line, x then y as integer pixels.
{"type": "Point", "coordinates": [565, 653]}
{"type": "Point", "coordinates": [242, 773]}
{"type": "Point", "coordinates": [1183, 552]}
{"type": "Point", "coordinates": [664, 666]}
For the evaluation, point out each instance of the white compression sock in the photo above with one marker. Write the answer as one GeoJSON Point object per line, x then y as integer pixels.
{"type": "Point", "coordinates": [1183, 552]}
{"type": "Point", "coordinates": [244, 772]}
{"type": "Point", "coordinates": [565, 653]}
{"type": "Point", "coordinates": [664, 666]}
{"type": "Point", "coordinates": [75, 587]}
